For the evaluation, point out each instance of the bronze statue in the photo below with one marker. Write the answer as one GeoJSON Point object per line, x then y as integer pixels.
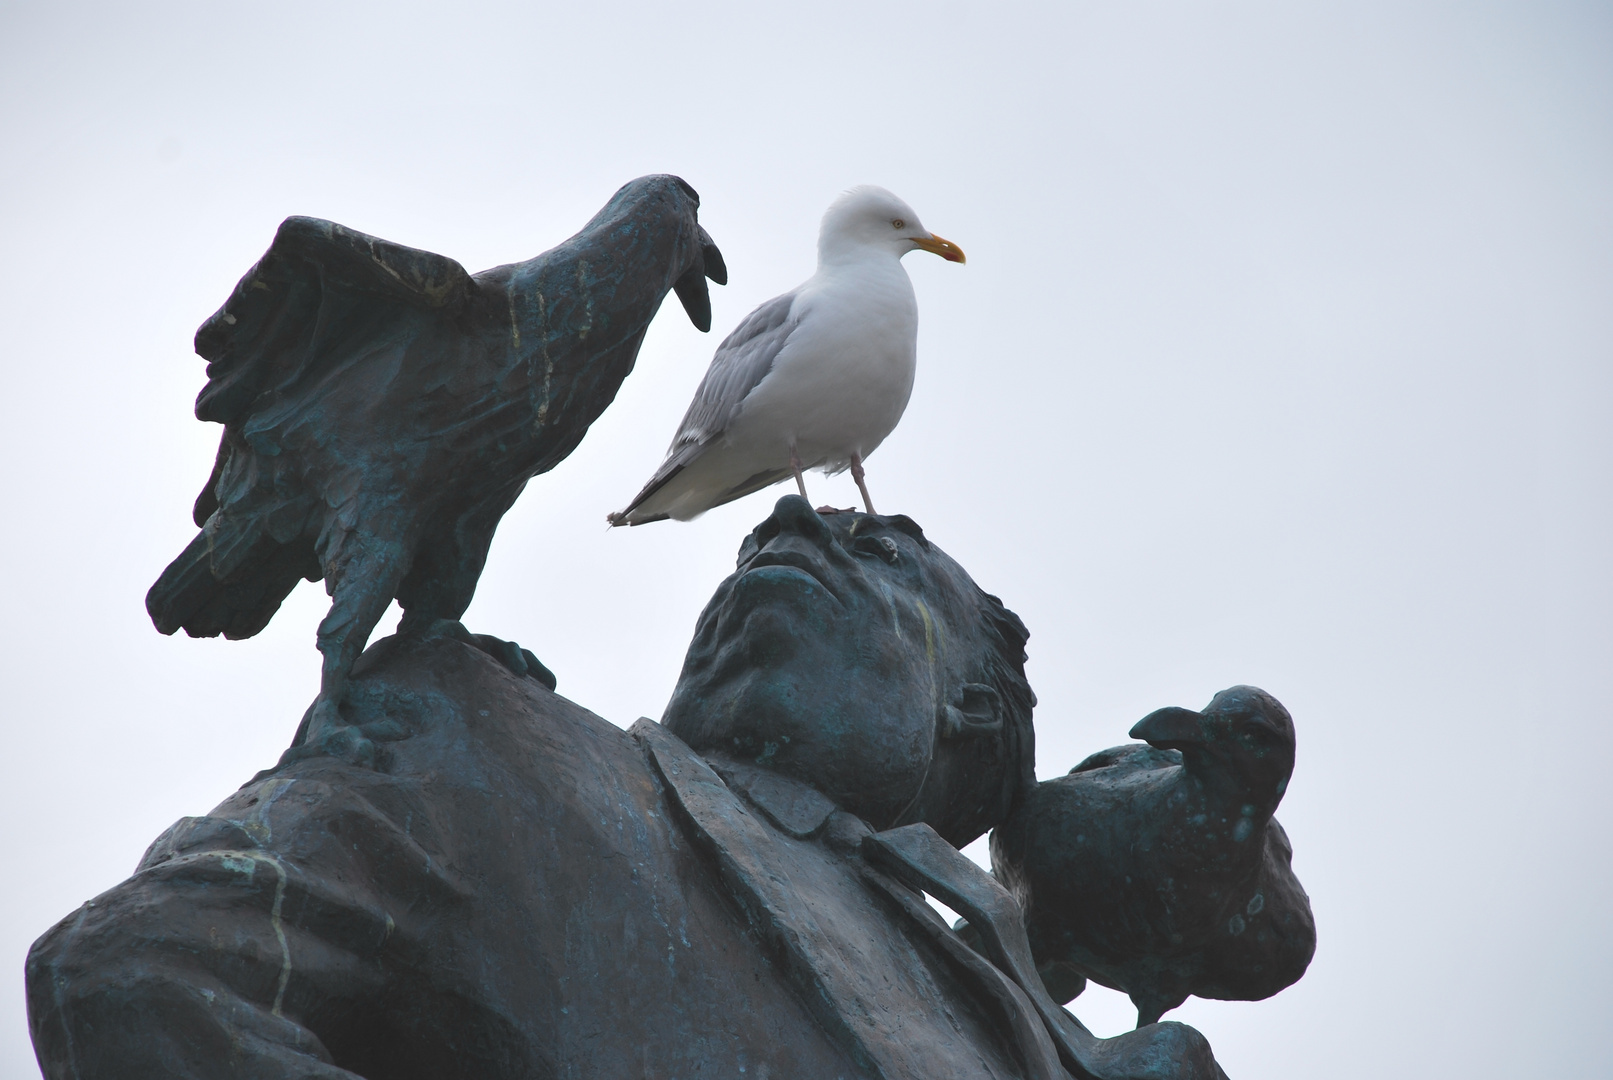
{"type": "Point", "coordinates": [512, 887]}
{"type": "Point", "coordinates": [454, 872]}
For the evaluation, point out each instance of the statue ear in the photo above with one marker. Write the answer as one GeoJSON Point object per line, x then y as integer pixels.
{"type": "Point", "coordinates": [978, 711]}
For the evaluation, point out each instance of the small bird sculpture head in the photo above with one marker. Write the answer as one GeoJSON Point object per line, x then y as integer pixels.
{"type": "Point", "coordinates": [869, 218]}
{"type": "Point", "coordinates": [1244, 738]}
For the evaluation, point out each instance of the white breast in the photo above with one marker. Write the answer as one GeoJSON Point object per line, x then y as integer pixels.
{"type": "Point", "coordinates": [842, 381]}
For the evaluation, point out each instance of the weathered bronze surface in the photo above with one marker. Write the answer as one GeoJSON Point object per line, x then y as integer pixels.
{"type": "Point", "coordinates": [512, 887]}
{"type": "Point", "coordinates": [454, 872]}
{"type": "Point", "coordinates": [383, 409]}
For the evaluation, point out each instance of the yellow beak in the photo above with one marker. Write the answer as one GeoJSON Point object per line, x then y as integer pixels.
{"type": "Point", "coordinates": [936, 246]}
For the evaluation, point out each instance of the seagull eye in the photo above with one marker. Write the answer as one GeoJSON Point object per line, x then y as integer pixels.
{"type": "Point", "coordinates": [898, 223]}
{"type": "Point", "coordinates": [882, 546]}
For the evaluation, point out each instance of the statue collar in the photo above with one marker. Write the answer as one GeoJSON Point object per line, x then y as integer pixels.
{"type": "Point", "coordinates": [787, 894]}
{"type": "Point", "coordinates": [795, 809]}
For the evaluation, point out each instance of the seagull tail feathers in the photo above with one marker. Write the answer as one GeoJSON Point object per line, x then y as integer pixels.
{"type": "Point", "coordinates": [626, 517]}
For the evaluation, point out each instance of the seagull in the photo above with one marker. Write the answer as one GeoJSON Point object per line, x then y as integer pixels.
{"type": "Point", "coordinates": [813, 379]}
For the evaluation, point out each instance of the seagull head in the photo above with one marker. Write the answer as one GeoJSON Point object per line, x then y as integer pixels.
{"type": "Point", "coordinates": [868, 219]}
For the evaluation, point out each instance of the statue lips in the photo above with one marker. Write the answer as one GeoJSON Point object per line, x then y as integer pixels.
{"type": "Point", "coordinates": [790, 572]}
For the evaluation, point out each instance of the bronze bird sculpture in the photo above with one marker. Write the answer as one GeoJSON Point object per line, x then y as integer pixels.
{"type": "Point", "coordinates": [383, 409]}
{"type": "Point", "coordinates": [1159, 869]}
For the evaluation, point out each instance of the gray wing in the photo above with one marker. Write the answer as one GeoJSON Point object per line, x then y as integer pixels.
{"type": "Point", "coordinates": [742, 361]}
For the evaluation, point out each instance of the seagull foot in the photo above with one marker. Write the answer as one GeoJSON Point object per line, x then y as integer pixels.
{"type": "Point", "coordinates": [837, 509]}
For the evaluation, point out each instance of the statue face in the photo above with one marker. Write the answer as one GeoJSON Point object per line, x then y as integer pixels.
{"type": "Point", "coordinates": [848, 652]}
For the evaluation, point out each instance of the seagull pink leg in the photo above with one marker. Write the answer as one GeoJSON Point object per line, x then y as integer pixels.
{"type": "Point", "coordinates": [795, 467]}
{"type": "Point", "coordinates": [857, 475]}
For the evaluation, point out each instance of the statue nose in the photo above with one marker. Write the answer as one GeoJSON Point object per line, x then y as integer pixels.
{"type": "Point", "coordinates": [795, 515]}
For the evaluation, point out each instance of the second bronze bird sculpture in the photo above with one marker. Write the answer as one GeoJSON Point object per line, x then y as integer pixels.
{"type": "Point", "coordinates": [383, 409]}
{"type": "Point", "coordinates": [1160, 870]}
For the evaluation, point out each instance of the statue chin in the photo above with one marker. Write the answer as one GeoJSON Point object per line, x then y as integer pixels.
{"type": "Point", "coordinates": [786, 724]}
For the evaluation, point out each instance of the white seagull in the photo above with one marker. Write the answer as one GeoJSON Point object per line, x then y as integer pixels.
{"type": "Point", "coordinates": [813, 379]}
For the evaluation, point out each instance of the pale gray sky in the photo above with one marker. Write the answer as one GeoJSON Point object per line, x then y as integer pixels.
{"type": "Point", "coordinates": [1284, 355]}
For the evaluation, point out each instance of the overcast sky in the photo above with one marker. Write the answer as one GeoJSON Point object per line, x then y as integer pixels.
{"type": "Point", "coordinates": [1283, 355]}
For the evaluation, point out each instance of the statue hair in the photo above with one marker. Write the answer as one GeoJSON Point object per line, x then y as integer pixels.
{"type": "Point", "coordinates": [1005, 660]}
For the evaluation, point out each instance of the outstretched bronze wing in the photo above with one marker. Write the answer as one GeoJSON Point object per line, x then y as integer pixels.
{"type": "Point", "coordinates": [309, 307]}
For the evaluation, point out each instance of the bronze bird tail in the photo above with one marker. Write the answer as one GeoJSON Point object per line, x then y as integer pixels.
{"type": "Point", "coordinates": [230, 580]}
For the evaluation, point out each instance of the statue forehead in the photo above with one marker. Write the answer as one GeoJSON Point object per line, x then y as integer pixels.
{"type": "Point", "coordinates": [848, 527]}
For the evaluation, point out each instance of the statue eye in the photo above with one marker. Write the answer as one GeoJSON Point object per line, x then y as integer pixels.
{"type": "Point", "coordinates": [882, 546]}
{"type": "Point", "coordinates": [898, 223]}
